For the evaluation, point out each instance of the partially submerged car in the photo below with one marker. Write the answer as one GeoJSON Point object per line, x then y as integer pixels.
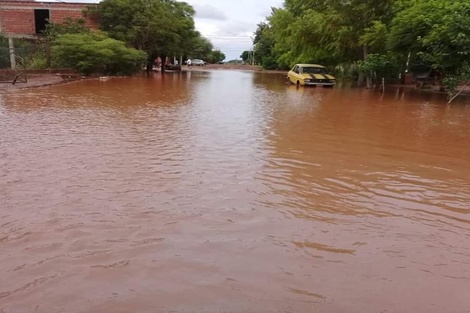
{"type": "Point", "coordinates": [310, 75]}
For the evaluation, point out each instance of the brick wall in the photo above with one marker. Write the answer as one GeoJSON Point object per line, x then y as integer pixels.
{"type": "Point", "coordinates": [17, 16]}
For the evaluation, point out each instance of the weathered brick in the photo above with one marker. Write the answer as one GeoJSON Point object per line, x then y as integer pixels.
{"type": "Point", "coordinates": [17, 16]}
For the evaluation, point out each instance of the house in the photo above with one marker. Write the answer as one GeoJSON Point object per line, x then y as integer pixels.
{"type": "Point", "coordinates": [27, 19]}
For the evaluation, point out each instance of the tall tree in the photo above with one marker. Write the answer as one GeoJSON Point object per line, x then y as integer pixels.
{"type": "Point", "coordinates": [216, 56]}
{"type": "Point", "coordinates": [330, 32]}
{"type": "Point", "coordinates": [158, 27]}
{"type": "Point", "coordinates": [201, 47]}
{"type": "Point", "coordinates": [245, 55]}
{"type": "Point", "coordinates": [436, 33]}
{"type": "Point", "coordinates": [264, 44]}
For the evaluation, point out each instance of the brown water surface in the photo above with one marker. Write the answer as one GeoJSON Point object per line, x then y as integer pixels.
{"type": "Point", "coordinates": [232, 192]}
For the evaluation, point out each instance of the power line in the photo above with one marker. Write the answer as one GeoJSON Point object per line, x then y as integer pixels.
{"type": "Point", "coordinates": [228, 37]}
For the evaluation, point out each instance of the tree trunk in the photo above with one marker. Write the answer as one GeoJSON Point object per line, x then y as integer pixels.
{"type": "Point", "coordinates": [360, 80]}
{"type": "Point", "coordinates": [368, 82]}
{"type": "Point", "coordinates": [163, 63]}
{"type": "Point", "coordinates": [149, 66]}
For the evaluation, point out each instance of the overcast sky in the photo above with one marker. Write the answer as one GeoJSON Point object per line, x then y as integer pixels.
{"type": "Point", "coordinates": [228, 24]}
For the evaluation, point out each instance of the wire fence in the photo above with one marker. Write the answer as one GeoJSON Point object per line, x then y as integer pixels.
{"type": "Point", "coordinates": [14, 62]}
{"type": "Point", "coordinates": [12, 73]}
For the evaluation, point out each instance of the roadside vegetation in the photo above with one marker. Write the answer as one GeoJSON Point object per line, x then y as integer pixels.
{"type": "Point", "coordinates": [163, 28]}
{"type": "Point", "coordinates": [369, 40]}
{"type": "Point", "coordinates": [131, 33]}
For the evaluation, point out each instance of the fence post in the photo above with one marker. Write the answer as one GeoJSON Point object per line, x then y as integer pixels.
{"type": "Point", "coordinates": [11, 46]}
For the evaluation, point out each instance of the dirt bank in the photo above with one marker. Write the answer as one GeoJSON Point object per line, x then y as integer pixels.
{"type": "Point", "coordinates": [41, 79]}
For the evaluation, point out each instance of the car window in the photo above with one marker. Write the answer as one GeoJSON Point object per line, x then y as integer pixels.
{"type": "Point", "coordinates": [296, 69]}
{"type": "Point", "coordinates": [315, 70]}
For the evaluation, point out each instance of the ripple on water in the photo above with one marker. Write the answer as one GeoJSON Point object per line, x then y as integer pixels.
{"type": "Point", "coordinates": [235, 190]}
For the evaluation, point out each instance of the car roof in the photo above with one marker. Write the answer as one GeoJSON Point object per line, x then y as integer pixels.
{"type": "Point", "coordinates": [310, 65]}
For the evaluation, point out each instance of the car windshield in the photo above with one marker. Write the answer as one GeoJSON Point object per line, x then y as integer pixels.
{"type": "Point", "coordinates": [313, 70]}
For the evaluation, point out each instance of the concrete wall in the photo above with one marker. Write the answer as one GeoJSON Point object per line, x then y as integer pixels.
{"type": "Point", "coordinates": [17, 16]}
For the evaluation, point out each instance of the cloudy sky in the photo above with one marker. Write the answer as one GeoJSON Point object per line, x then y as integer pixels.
{"type": "Point", "coordinates": [228, 24]}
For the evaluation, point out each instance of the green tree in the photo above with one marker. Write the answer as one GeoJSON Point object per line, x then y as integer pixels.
{"type": "Point", "coordinates": [343, 34]}
{"type": "Point", "coordinates": [201, 47]}
{"type": "Point", "coordinates": [158, 27]}
{"type": "Point", "coordinates": [264, 44]}
{"type": "Point", "coordinates": [436, 33]}
{"type": "Point", "coordinates": [245, 56]}
{"type": "Point", "coordinates": [216, 56]}
{"type": "Point", "coordinates": [284, 47]}
{"type": "Point", "coordinates": [380, 66]}
{"type": "Point", "coordinates": [329, 32]}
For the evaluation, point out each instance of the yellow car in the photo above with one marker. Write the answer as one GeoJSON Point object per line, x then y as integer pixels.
{"type": "Point", "coordinates": [310, 75]}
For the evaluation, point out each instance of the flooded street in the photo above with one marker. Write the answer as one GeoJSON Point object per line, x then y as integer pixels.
{"type": "Point", "coordinates": [226, 191]}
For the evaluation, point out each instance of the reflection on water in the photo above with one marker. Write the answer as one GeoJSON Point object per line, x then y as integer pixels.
{"type": "Point", "coordinates": [220, 191]}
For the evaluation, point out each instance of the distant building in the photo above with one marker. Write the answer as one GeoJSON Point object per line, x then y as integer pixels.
{"type": "Point", "coordinates": [22, 18]}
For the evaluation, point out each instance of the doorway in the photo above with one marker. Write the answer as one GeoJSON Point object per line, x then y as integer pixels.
{"type": "Point", "coordinates": [41, 19]}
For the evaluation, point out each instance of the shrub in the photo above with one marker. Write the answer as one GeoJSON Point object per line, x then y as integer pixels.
{"type": "Point", "coordinates": [270, 63]}
{"type": "Point", "coordinates": [36, 61]}
{"type": "Point", "coordinates": [377, 66]}
{"type": "Point", "coordinates": [90, 53]}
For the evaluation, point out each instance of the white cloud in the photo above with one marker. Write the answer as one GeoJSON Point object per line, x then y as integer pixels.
{"type": "Point", "coordinates": [208, 12]}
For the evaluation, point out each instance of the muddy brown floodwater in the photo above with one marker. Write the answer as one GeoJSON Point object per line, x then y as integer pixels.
{"type": "Point", "coordinates": [230, 191]}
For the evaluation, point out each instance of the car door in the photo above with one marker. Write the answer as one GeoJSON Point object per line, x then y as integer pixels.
{"type": "Point", "coordinates": [293, 74]}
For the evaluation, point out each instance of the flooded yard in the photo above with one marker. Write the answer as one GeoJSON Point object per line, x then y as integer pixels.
{"type": "Point", "coordinates": [232, 191]}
